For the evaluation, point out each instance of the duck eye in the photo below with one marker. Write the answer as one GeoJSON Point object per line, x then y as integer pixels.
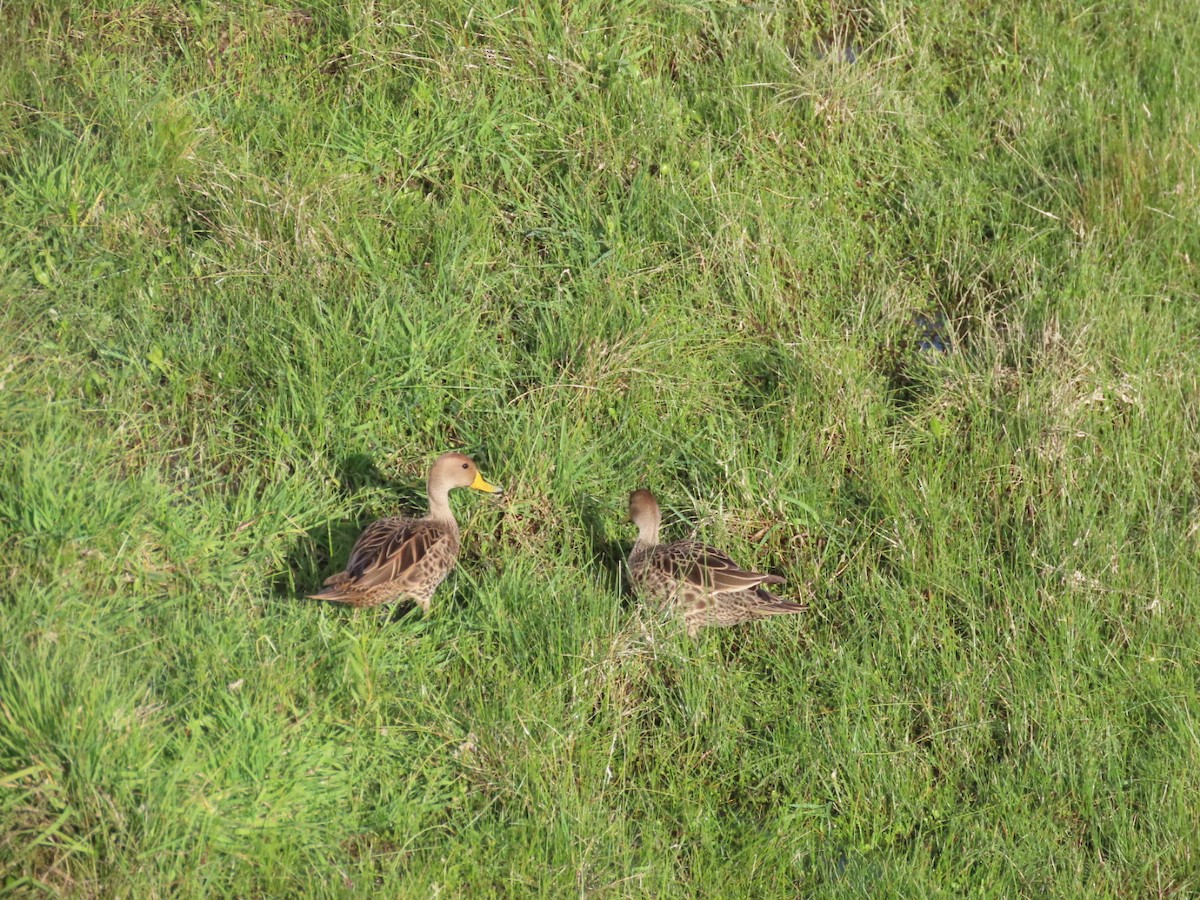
{"type": "Point", "coordinates": [465, 465]}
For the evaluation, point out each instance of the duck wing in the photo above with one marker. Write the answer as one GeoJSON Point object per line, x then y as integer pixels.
{"type": "Point", "coordinates": [711, 569]}
{"type": "Point", "coordinates": [389, 552]}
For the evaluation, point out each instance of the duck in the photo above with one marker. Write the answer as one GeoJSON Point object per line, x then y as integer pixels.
{"type": "Point", "coordinates": [400, 557]}
{"type": "Point", "coordinates": [701, 582]}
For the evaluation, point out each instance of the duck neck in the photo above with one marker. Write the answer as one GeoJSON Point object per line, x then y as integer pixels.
{"type": "Point", "coordinates": [647, 538]}
{"type": "Point", "coordinates": [439, 504]}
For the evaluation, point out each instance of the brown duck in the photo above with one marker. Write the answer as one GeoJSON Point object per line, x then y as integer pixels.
{"type": "Point", "coordinates": [701, 582]}
{"type": "Point", "coordinates": [398, 557]}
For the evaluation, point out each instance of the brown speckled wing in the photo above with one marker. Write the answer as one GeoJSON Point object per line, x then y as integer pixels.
{"type": "Point", "coordinates": [391, 549]}
{"type": "Point", "coordinates": [711, 569]}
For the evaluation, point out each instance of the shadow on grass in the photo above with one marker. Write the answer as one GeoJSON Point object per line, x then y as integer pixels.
{"type": "Point", "coordinates": [605, 556]}
{"type": "Point", "coordinates": [324, 550]}
{"type": "Point", "coordinates": [909, 363]}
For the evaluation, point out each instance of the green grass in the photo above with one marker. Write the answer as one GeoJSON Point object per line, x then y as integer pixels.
{"type": "Point", "coordinates": [259, 265]}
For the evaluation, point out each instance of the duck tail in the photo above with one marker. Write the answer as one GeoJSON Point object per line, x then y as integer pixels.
{"type": "Point", "coordinates": [333, 589]}
{"type": "Point", "coordinates": [773, 605]}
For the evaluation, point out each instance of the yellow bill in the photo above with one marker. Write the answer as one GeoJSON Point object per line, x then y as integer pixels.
{"type": "Point", "coordinates": [480, 485]}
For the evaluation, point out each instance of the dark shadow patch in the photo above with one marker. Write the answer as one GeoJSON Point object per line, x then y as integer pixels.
{"type": "Point", "coordinates": [824, 865]}
{"type": "Point", "coordinates": [833, 46]}
{"type": "Point", "coordinates": [324, 550]}
{"type": "Point", "coordinates": [908, 360]}
{"type": "Point", "coordinates": [321, 552]}
{"type": "Point", "coordinates": [357, 471]}
{"type": "Point", "coordinates": [197, 217]}
{"type": "Point", "coordinates": [766, 379]}
{"type": "Point", "coordinates": [920, 727]}
{"type": "Point", "coordinates": [606, 556]}
{"type": "Point", "coordinates": [402, 609]}
{"type": "Point", "coordinates": [309, 563]}
{"type": "Point", "coordinates": [1000, 731]}
{"type": "Point", "coordinates": [932, 332]}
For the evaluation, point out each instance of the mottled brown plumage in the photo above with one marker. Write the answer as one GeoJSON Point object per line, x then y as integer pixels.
{"type": "Point", "coordinates": [701, 582]}
{"type": "Point", "coordinates": [397, 557]}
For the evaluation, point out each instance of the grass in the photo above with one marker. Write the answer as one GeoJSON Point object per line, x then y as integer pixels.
{"type": "Point", "coordinates": [260, 264]}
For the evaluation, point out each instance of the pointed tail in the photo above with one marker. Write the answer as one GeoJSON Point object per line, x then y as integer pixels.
{"type": "Point", "coordinates": [771, 605]}
{"type": "Point", "coordinates": [333, 590]}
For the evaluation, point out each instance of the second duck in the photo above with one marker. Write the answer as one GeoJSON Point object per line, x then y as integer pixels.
{"type": "Point", "coordinates": [701, 582]}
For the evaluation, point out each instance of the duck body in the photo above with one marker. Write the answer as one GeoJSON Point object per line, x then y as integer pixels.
{"type": "Point", "coordinates": [398, 558]}
{"type": "Point", "coordinates": [395, 558]}
{"type": "Point", "coordinates": [702, 583]}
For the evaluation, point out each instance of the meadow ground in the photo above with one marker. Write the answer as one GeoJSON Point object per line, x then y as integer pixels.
{"type": "Point", "coordinates": [259, 264]}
